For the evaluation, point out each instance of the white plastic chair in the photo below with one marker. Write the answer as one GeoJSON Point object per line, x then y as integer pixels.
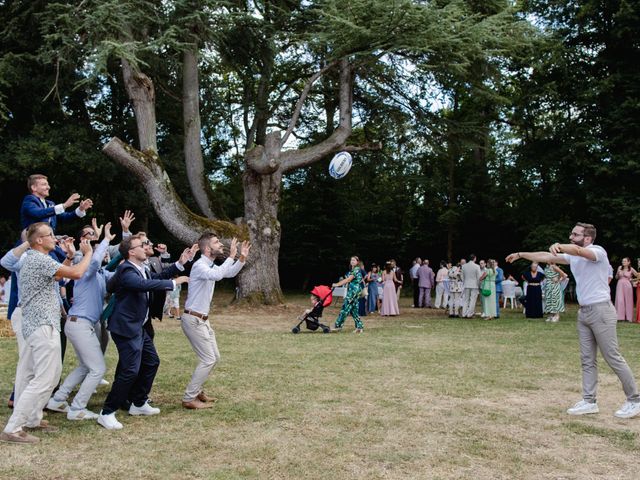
{"type": "Point", "coordinates": [509, 293]}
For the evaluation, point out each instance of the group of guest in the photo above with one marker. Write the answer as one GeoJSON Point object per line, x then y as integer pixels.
{"type": "Point", "coordinates": [42, 264]}
{"type": "Point", "coordinates": [544, 291]}
{"type": "Point", "coordinates": [627, 279]}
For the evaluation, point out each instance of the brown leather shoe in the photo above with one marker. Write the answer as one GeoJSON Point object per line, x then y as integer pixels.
{"type": "Point", "coordinates": [43, 427]}
{"type": "Point", "coordinates": [18, 437]}
{"type": "Point", "coordinates": [196, 404]}
{"type": "Point", "coordinates": [203, 397]}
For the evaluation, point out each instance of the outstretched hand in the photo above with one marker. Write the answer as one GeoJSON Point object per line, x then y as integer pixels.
{"type": "Point", "coordinates": [96, 228]}
{"type": "Point", "coordinates": [244, 249]}
{"type": "Point", "coordinates": [107, 232]}
{"type": "Point", "coordinates": [72, 200]}
{"type": "Point", "coordinates": [233, 249]}
{"type": "Point", "coordinates": [68, 247]}
{"type": "Point", "coordinates": [512, 257]}
{"type": "Point", "coordinates": [181, 280]}
{"type": "Point", "coordinates": [85, 205]}
{"type": "Point", "coordinates": [85, 247]}
{"type": "Point", "coordinates": [126, 220]}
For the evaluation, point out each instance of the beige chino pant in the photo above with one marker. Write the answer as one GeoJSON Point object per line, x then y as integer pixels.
{"type": "Point", "coordinates": [42, 350]}
{"type": "Point", "coordinates": [203, 342]}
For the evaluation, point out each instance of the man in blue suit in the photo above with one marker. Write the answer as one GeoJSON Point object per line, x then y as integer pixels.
{"type": "Point", "coordinates": [138, 359]}
{"type": "Point", "coordinates": [36, 208]}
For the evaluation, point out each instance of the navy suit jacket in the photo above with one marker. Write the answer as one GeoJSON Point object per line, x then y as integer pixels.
{"type": "Point", "coordinates": [132, 302]}
{"type": "Point", "coordinates": [33, 211]}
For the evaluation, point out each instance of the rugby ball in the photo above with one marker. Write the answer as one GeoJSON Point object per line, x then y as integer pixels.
{"type": "Point", "coordinates": [340, 165]}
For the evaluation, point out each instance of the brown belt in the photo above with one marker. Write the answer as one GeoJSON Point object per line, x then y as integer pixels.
{"type": "Point", "coordinates": [196, 314]}
{"type": "Point", "coordinates": [73, 318]}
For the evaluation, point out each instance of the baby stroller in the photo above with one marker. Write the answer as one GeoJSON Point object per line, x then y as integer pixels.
{"type": "Point", "coordinates": [312, 319]}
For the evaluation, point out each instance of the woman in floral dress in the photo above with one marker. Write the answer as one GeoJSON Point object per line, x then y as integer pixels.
{"type": "Point", "coordinates": [350, 305]}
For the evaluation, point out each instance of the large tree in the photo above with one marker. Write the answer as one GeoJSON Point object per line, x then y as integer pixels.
{"type": "Point", "coordinates": [278, 64]}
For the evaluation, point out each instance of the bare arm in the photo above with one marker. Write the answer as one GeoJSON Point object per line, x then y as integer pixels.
{"type": "Point", "coordinates": [541, 257]}
{"type": "Point", "coordinates": [75, 272]}
{"type": "Point", "coordinates": [344, 281]}
{"type": "Point", "coordinates": [574, 250]}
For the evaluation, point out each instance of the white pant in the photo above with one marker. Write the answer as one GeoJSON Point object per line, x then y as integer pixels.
{"type": "Point", "coordinates": [91, 367]}
{"type": "Point", "coordinates": [455, 302]}
{"type": "Point", "coordinates": [441, 295]}
{"type": "Point", "coordinates": [469, 298]}
{"type": "Point", "coordinates": [42, 350]}
{"type": "Point", "coordinates": [203, 342]}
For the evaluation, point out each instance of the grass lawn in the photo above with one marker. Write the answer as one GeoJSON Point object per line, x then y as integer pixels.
{"type": "Point", "coordinates": [417, 396]}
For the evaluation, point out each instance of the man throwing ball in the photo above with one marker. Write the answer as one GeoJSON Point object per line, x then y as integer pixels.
{"type": "Point", "coordinates": [597, 319]}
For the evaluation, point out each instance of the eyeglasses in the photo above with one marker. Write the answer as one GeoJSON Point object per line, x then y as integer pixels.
{"type": "Point", "coordinates": [147, 242]}
{"type": "Point", "coordinates": [47, 235]}
{"type": "Point", "coordinates": [137, 246]}
{"type": "Point", "coordinates": [89, 233]}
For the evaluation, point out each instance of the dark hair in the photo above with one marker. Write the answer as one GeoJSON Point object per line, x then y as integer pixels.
{"type": "Point", "coordinates": [471, 258]}
{"type": "Point", "coordinates": [203, 241]}
{"type": "Point", "coordinates": [589, 230]}
{"type": "Point", "coordinates": [125, 246]}
{"type": "Point", "coordinates": [80, 232]}
{"type": "Point", "coordinates": [629, 263]}
{"type": "Point", "coordinates": [387, 267]}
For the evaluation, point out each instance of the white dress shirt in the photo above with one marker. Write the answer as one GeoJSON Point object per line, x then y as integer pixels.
{"type": "Point", "coordinates": [202, 282]}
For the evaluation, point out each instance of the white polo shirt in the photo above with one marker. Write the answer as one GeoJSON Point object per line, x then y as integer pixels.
{"type": "Point", "coordinates": [591, 276]}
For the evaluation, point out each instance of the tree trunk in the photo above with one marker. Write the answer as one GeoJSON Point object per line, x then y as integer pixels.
{"type": "Point", "coordinates": [192, 130]}
{"type": "Point", "coordinates": [259, 281]}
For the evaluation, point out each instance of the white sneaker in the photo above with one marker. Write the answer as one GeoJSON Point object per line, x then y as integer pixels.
{"type": "Point", "coordinates": [104, 382]}
{"type": "Point", "coordinates": [56, 406]}
{"type": "Point", "coordinates": [110, 422]}
{"type": "Point", "coordinates": [83, 414]}
{"type": "Point", "coordinates": [145, 409]}
{"type": "Point", "coordinates": [628, 410]}
{"type": "Point", "coordinates": [583, 408]}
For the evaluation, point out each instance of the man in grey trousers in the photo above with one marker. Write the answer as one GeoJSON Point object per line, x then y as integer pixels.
{"type": "Point", "coordinates": [195, 320]}
{"type": "Point", "coordinates": [597, 319]}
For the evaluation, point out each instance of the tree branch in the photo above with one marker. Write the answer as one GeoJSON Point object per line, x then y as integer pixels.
{"type": "Point", "coordinates": [179, 220]}
{"type": "Point", "coordinates": [301, 100]}
{"type": "Point", "coordinates": [293, 159]}
{"type": "Point", "coordinates": [192, 131]}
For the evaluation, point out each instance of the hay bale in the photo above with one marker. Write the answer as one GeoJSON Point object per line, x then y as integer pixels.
{"type": "Point", "coordinates": [5, 328]}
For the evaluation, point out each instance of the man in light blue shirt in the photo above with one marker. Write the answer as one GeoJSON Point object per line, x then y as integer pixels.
{"type": "Point", "coordinates": [83, 330]}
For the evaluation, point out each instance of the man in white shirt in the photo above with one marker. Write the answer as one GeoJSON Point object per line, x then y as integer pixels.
{"type": "Point", "coordinates": [195, 319]}
{"type": "Point", "coordinates": [597, 319]}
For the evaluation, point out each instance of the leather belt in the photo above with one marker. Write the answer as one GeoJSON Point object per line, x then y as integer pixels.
{"type": "Point", "coordinates": [196, 314]}
{"type": "Point", "coordinates": [73, 318]}
{"type": "Point", "coordinates": [534, 284]}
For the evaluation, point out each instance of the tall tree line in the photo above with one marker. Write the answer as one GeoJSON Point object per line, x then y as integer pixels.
{"type": "Point", "coordinates": [474, 126]}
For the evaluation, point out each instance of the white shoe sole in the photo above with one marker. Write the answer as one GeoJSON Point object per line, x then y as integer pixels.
{"type": "Point", "coordinates": [110, 427]}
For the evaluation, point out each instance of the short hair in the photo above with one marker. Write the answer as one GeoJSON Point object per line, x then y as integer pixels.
{"type": "Point", "coordinates": [589, 229]}
{"type": "Point", "coordinates": [471, 258]}
{"type": "Point", "coordinates": [204, 239]}
{"type": "Point", "coordinates": [31, 181]}
{"type": "Point", "coordinates": [81, 231]}
{"type": "Point", "coordinates": [141, 234]}
{"type": "Point", "coordinates": [125, 246]}
{"type": "Point", "coordinates": [32, 232]}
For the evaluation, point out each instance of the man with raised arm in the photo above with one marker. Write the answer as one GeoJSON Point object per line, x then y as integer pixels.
{"type": "Point", "coordinates": [195, 319]}
{"type": "Point", "coordinates": [597, 319]}
{"type": "Point", "coordinates": [40, 302]}
{"type": "Point", "coordinates": [138, 360]}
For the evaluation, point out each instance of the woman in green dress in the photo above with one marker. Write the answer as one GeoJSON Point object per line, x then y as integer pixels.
{"type": "Point", "coordinates": [553, 292]}
{"type": "Point", "coordinates": [488, 285]}
{"type": "Point", "coordinates": [350, 305]}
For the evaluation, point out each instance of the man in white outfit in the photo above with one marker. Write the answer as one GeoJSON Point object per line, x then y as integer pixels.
{"type": "Point", "coordinates": [195, 319]}
{"type": "Point", "coordinates": [597, 319]}
{"type": "Point", "coordinates": [471, 274]}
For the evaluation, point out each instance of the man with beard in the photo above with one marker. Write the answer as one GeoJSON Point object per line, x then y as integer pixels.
{"type": "Point", "coordinates": [597, 319]}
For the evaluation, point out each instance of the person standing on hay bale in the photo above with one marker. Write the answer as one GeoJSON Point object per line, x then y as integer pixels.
{"type": "Point", "coordinates": [350, 305]}
{"type": "Point", "coordinates": [597, 318]}
{"type": "Point", "coordinates": [195, 319]}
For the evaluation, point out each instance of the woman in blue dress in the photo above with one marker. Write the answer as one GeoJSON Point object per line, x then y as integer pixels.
{"type": "Point", "coordinates": [350, 305]}
{"type": "Point", "coordinates": [372, 284]}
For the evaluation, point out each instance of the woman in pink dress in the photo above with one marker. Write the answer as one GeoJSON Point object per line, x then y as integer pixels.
{"type": "Point", "coordinates": [624, 291]}
{"type": "Point", "coordinates": [389, 298]}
